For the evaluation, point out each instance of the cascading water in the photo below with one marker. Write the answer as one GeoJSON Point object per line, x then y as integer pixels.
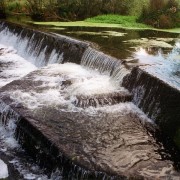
{"type": "Point", "coordinates": [27, 46]}
{"type": "Point", "coordinates": [166, 67]}
{"type": "Point", "coordinates": [75, 115]}
{"type": "Point", "coordinates": [113, 67]}
{"type": "Point", "coordinates": [41, 48]}
{"type": "Point", "coordinates": [155, 86]}
{"type": "Point", "coordinates": [36, 50]}
{"type": "Point", "coordinates": [11, 151]}
{"type": "Point", "coordinates": [66, 90]}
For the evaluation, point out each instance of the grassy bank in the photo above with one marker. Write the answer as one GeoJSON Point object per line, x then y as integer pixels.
{"type": "Point", "coordinates": [114, 21]}
{"type": "Point", "coordinates": [87, 23]}
{"type": "Point", "coordinates": [125, 21]}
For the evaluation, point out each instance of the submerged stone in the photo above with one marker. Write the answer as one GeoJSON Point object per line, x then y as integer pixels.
{"type": "Point", "coordinates": [102, 99]}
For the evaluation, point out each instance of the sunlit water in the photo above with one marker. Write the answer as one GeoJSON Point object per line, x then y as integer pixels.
{"type": "Point", "coordinates": [164, 66]}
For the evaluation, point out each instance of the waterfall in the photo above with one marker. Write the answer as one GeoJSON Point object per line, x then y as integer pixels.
{"type": "Point", "coordinates": [27, 44]}
{"type": "Point", "coordinates": [105, 64]}
{"type": "Point", "coordinates": [8, 124]}
{"type": "Point", "coordinates": [7, 114]}
{"type": "Point", "coordinates": [77, 115]}
{"type": "Point", "coordinates": [158, 99]}
{"type": "Point", "coordinates": [41, 48]}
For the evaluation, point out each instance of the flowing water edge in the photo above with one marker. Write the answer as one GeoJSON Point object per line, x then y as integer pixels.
{"type": "Point", "coordinates": [89, 91]}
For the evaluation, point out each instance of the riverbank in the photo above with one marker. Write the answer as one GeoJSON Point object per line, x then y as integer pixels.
{"type": "Point", "coordinates": [104, 21]}
{"type": "Point", "coordinates": [125, 21]}
{"type": "Point", "coordinates": [59, 25]}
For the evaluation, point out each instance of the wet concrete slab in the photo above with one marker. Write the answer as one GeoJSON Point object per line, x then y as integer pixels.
{"type": "Point", "coordinates": [115, 140]}
{"type": "Point", "coordinates": [156, 90]}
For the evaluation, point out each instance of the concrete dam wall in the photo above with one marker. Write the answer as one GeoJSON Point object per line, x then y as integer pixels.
{"type": "Point", "coordinates": [75, 109]}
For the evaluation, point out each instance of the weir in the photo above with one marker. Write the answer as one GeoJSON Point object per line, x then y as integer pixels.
{"type": "Point", "coordinates": [71, 112]}
{"type": "Point", "coordinates": [39, 47]}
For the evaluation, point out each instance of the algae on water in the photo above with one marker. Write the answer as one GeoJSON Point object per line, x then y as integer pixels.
{"type": "Point", "coordinates": [144, 42]}
{"type": "Point", "coordinates": [103, 33]}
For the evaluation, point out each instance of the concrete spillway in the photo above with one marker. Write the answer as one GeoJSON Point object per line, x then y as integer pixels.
{"type": "Point", "coordinates": [78, 117]}
{"type": "Point", "coordinates": [159, 99]}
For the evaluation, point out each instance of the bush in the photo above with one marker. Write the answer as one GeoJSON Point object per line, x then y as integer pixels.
{"type": "Point", "coordinates": [35, 9]}
{"type": "Point", "coordinates": [165, 21]}
{"type": "Point", "coordinates": [161, 14]}
{"type": "Point", "coordinates": [42, 9]}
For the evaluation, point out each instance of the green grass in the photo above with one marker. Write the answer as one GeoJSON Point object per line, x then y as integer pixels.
{"type": "Point", "coordinates": [125, 21]}
{"type": "Point", "coordinates": [57, 25]}
{"type": "Point", "coordinates": [87, 24]}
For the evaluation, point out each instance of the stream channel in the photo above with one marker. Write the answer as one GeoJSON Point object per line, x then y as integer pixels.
{"type": "Point", "coordinates": [104, 105]}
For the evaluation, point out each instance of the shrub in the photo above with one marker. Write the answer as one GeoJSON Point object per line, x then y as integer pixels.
{"type": "Point", "coordinates": [161, 14]}
{"type": "Point", "coordinates": [165, 21]}
{"type": "Point", "coordinates": [42, 9]}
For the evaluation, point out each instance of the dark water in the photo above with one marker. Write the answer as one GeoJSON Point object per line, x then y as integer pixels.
{"type": "Point", "coordinates": [115, 45]}
{"type": "Point", "coordinates": [110, 40]}
{"type": "Point", "coordinates": [133, 46]}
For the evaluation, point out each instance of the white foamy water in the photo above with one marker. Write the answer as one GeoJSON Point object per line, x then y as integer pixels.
{"type": "Point", "coordinates": [165, 67]}
{"type": "Point", "coordinates": [8, 121]}
{"type": "Point", "coordinates": [145, 58]}
{"type": "Point", "coordinates": [7, 136]}
{"type": "Point", "coordinates": [103, 63]}
{"type": "Point", "coordinates": [3, 170]}
{"type": "Point", "coordinates": [12, 65]}
{"type": "Point", "coordinates": [10, 147]}
{"type": "Point", "coordinates": [61, 84]}
{"type": "Point", "coordinates": [28, 47]}
{"type": "Point", "coordinates": [31, 171]}
{"type": "Point", "coordinates": [117, 110]}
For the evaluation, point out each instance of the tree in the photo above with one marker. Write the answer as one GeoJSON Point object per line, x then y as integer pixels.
{"type": "Point", "coordinates": [161, 14]}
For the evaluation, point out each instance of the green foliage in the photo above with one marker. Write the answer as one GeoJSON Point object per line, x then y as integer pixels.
{"type": "Point", "coordinates": [157, 13]}
{"type": "Point", "coordinates": [126, 21]}
{"type": "Point", "coordinates": [80, 9]}
{"type": "Point", "coordinates": [15, 6]}
{"type": "Point", "coordinates": [36, 9]}
{"type": "Point", "coordinates": [161, 14]}
{"type": "Point", "coordinates": [136, 7]}
{"type": "Point", "coordinates": [42, 9]}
